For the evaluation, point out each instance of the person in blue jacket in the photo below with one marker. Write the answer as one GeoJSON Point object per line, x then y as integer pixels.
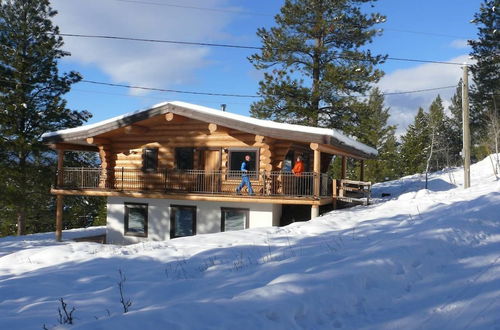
{"type": "Point", "coordinates": [245, 180]}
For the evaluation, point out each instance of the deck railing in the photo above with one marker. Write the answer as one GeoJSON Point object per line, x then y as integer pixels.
{"type": "Point", "coordinates": [275, 183]}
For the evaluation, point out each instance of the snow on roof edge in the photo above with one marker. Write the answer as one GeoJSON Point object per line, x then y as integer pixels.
{"type": "Point", "coordinates": [336, 134]}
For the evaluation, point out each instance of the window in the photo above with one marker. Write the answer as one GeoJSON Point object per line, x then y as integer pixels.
{"type": "Point", "coordinates": [136, 219]}
{"type": "Point", "coordinates": [150, 159]}
{"type": "Point", "coordinates": [236, 157]}
{"type": "Point", "coordinates": [234, 219]}
{"type": "Point", "coordinates": [289, 161]}
{"type": "Point", "coordinates": [182, 221]}
{"type": "Point", "coordinates": [184, 158]}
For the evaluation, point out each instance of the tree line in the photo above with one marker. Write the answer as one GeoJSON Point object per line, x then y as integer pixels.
{"type": "Point", "coordinates": [316, 64]}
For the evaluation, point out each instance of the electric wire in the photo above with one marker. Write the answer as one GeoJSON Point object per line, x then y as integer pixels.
{"type": "Point", "coordinates": [191, 43]}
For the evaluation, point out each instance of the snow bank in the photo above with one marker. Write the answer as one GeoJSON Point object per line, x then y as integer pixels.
{"type": "Point", "coordinates": [420, 259]}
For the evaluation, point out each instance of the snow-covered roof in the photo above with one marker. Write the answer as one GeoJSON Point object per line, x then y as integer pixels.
{"type": "Point", "coordinates": [269, 128]}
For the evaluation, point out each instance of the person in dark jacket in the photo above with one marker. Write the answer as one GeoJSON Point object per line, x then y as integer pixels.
{"type": "Point", "coordinates": [245, 180]}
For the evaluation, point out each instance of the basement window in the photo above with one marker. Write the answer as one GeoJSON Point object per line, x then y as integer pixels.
{"type": "Point", "coordinates": [136, 219]}
{"type": "Point", "coordinates": [182, 220]}
{"type": "Point", "coordinates": [234, 219]}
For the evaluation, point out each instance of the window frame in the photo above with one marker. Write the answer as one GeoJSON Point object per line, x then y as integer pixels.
{"type": "Point", "coordinates": [127, 207]}
{"type": "Point", "coordinates": [223, 218]}
{"type": "Point", "coordinates": [243, 150]}
{"type": "Point", "coordinates": [172, 219]}
{"type": "Point", "coordinates": [192, 152]}
{"type": "Point", "coordinates": [146, 166]}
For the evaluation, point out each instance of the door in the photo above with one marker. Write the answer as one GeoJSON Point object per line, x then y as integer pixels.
{"type": "Point", "coordinates": [212, 178]}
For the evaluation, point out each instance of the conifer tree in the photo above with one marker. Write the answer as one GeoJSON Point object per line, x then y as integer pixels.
{"type": "Point", "coordinates": [31, 103]}
{"type": "Point", "coordinates": [315, 63]}
{"type": "Point", "coordinates": [374, 131]}
{"type": "Point", "coordinates": [415, 145]}
{"type": "Point", "coordinates": [485, 92]}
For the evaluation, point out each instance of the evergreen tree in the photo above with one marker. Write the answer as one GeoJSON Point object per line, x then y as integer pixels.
{"type": "Point", "coordinates": [485, 92]}
{"type": "Point", "coordinates": [416, 145]}
{"type": "Point", "coordinates": [315, 63]}
{"type": "Point", "coordinates": [438, 151]}
{"type": "Point", "coordinates": [374, 131]}
{"type": "Point", "coordinates": [31, 103]}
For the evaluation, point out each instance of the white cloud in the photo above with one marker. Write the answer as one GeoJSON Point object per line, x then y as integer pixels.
{"type": "Point", "coordinates": [141, 63]}
{"type": "Point", "coordinates": [405, 106]}
{"type": "Point", "coordinates": [459, 44]}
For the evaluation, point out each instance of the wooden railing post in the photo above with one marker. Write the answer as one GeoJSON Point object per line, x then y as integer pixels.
{"type": "Point", "coordinates": [334, 193]}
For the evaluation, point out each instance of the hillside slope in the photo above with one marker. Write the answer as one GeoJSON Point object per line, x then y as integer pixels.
{"type": "Point", "coordinates": [420, 259]}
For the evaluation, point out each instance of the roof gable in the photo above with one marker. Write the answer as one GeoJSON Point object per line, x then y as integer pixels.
{"type": "Point", "coordinates": [298, 133]}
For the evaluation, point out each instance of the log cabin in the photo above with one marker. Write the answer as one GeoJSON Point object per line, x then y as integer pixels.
{"type": "Point", "coordinates": [173, 170]}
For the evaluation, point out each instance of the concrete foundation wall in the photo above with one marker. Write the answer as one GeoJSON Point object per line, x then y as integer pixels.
{"type": "Point", "coordinates": [208, 217]}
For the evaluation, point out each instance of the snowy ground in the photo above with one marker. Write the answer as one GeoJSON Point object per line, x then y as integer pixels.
{"type": "Point", "coordinates": [420, 259]}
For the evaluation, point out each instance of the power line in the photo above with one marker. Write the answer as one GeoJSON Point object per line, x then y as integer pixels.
{"type": "Point", "coordinates": [243, 95]}
{"type": "Point", "coordinates": [221, 10]}
{"type": "Point", "coordinates": [190, 43]}
{"type": "Point", "coordinates": [419, 90]}
{"type": "Point", "coordinates": [167, 90]}
{"type": "Point", "coordinates": [226, 94]}
{"type": "Point", "coordinates": [157, 41]}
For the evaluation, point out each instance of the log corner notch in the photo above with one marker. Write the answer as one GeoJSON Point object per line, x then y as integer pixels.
{"type": "Point", "coordinates": [97, 141]}
{"type": "Point", "coordinates": [170, 117]}
{"type": "Point", "coordinates": [212, 128]}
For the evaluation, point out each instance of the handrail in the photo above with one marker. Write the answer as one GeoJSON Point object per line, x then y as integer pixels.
{"type": "Point", "coordinates": [264, 183]}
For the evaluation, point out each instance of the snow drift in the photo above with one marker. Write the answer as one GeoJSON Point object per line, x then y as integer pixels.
{"type": "Point", "coordinates": [420, 259]}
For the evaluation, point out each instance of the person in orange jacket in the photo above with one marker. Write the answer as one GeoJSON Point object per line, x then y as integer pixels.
{"type": "Point", "coordinates": [299, 180]}
{"type": "Point", "coordinates": [299, 167]}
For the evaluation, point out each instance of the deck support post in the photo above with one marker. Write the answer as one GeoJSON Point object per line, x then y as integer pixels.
{"type": "Point", "coordinates": [59, 217]}
{"type": "Point", "coordinates": [314, 211]}
{"type": "Point", "coordinates": [362, 170]}
{"type": "Point", "coordinates": [334, 193]}
{"type": "Point", "coordinates": [343, 168]}
{"type": "Point", "coordinates": [59, 198]}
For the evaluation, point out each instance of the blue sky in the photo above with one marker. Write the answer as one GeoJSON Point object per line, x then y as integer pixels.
{"type": "Point", "coordinates": [442, 26]}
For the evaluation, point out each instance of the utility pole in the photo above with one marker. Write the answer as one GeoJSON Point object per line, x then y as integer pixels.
{"type": "Point", "coordinates": [465, 121]}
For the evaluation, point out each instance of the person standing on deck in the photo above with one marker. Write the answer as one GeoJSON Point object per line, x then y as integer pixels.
{"type": "Point", "coordinates": [300, 183]}
{"type": "Point", "coordinates": [245, 179]}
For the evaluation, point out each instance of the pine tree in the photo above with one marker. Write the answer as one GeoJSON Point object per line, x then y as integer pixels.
{"type": "Point", "coordinates": [415, 145]}
{"type": "Point", "coordinates": [374, 131]}
{"type": "Point", "coordinates": [438, 151]}
{"type": "Point", "coordinates": [315, 62]}
{"type": "Point", "coordinates": [485, 92]}
{"type": "Point", "coordinates": [31, 103]}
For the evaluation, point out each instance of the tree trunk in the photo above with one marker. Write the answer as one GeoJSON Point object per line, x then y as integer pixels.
{"type": "Point", "coordinates": [429, 159]}
{"type": "Point", "coordinates": [315, 95]}
{"type": "Point", "coordinates": [21, 222]}
{"type": "Point", "coordinates": [21, 211]}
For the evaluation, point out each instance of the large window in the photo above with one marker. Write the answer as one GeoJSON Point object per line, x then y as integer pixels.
{"type": "Point", "coordinates": [184, 159]}
{"type": "Point", "coordinates": [150, 159]}
{"type": "Point", "coordinates": [234, 219]}
{"type": "Point", "coordinates": [136, 219]}
{"type": "Point", "coordinates": [182, 221]}
{"type": "Point", "coordinates": [236, 157]}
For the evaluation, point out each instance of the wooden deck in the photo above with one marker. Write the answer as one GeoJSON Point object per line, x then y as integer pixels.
{"type": "Point", "coordinates": [219, 197]}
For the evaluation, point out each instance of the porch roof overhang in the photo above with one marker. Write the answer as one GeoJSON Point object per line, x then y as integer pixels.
{"type": "Point", "coordinates": [330, 140]}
